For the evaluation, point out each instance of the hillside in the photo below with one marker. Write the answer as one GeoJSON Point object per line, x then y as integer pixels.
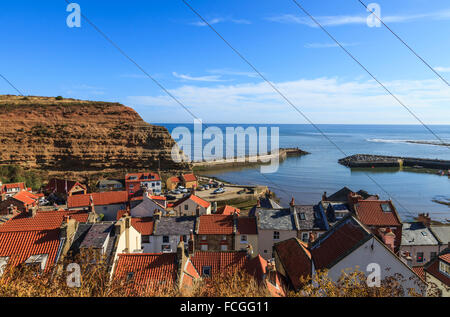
{"type": "Point", "coordinates": [74, 135]}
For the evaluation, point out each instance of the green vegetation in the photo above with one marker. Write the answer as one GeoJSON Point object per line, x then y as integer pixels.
{"type": "Point", "coordinates": [15, 174]}
{"type": "Point", "coordinates": [59, 98]}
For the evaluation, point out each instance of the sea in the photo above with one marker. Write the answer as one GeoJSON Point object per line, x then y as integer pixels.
{"type": "Point", "coordinates": [307, 177]}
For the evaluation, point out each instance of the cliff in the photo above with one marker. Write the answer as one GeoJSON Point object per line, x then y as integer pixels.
{"type": "Point", "coordinates": [75, 135]}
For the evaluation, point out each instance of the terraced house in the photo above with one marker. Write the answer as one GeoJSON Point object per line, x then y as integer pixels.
{"type": "Point", "coordinates": [215, 232]}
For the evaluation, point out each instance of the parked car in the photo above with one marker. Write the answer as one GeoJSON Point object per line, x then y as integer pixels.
{"type": "Point", "coordinates": [215, 185]}
{"type": "Point", "coordinates": [184, 190]}
{"type": "Point", "coordinates": [181, 187]}
{"type": "Point", "coordinates": [205, 186]}
{"type": "Point", "coordinates": [219, 191]}
{"type": "Point", "coordinates": [242, 191]}
{"type": "Point", "coordinates": [175, 192]}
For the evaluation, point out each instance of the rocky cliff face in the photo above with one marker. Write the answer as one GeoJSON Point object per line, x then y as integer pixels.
{"type": "Point", "coordinates": [75, 135]}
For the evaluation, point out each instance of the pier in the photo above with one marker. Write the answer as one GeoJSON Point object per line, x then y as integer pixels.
{"type": "Point", "coordinates": [367, 160]}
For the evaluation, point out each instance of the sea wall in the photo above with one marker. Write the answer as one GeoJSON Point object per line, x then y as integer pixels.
{"type": "Point", "coordinates": [367, 160]}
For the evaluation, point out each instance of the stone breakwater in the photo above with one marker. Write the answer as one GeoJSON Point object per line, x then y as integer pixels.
{"type": "Point", "coordinates": [367, 160]}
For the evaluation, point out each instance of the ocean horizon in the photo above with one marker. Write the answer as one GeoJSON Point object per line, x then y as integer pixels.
{"type": "Point", "coordinates": [307, 177]}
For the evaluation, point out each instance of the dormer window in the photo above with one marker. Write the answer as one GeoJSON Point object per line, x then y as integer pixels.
{"type": "Point", "coordinates": [302, 216]}
{"type": "Point", "coordinates": [133, 178]}
{"type": "Point", "coordinates": [206, 271]}
{"type": "Point", "coordinates": [386, 207]}
{"type": "Point", "coordinates": [130, 276]}
{"type": "Point", "coordinates": [38, 260]}
{"type": "Point", "coordinates": [444, 268]}
{"type": "Point", "coordinates": [3, 263]}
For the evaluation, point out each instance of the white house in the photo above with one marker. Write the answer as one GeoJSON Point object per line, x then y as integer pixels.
{"type": "Point", "coordinates": [192, 205]}
{"type": "Point", "coordinates": [347, 245]}
{"type": "Point", "coordinates": [148, 206]}
{"type": "Point", "coordinates": [167, 233]}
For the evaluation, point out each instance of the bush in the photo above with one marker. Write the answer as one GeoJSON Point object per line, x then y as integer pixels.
{"type": "Point", "coordinates": [59, 98]}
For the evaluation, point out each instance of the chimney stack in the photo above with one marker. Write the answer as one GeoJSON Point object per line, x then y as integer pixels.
{"type": "Point", "coordinates": [249, 251]}
{"type": "Point", "coordinates": [424, 219]}
{"type": "Point", "coordinates": [214, 207]}
{"type": "Point", "coordinates": [258, 203]}
{"type": "Point", "coordinates": [292, 205]}
{"type": "Point", "coordinates": [157, 214]}
{"type": "Point", "coordinates": [191, 243]}
{"type": "Point", "coordinates": [388, 238]}
{"type": "Point", "coordinates": [324, 196]}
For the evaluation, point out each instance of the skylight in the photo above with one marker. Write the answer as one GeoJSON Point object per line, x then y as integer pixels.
{"type": "Point", "coordinates": [386, 207]}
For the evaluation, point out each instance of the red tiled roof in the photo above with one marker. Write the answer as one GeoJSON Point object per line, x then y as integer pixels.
{"type": "Point", "coordinates": [140, 177]}
{"type": "Point", "coordinates": [137, 198]}
{"type": "Point", "coordinates": [445, 257]}
{"type": "Point", "coordinates": [59, 185]}
{"type": "Point", "coordinates": [43, 220]}
{"type": "Point", "coordinates": [247, 225]}
{"type": "Point", "coordinates": [21, 186]}
{"type": "Point", "coordinates": [433, 269]}
{"type": "Point", "coordinates": [26, 197]}
{"type": "Point", "coordinates": [196, 199]}
{"type": "Point", "coordinates": [220, 262]}
{"type": "Point", "coordinates": [104, 198]}
{"type": "Point", "coordinates": [199, 201]}
{"type": "Point", "coordinates": [215, 224]}
{"type": "Point", "coordinates": [20, 245]}
{"type": "Point", "coordinates": [189, 177]}
{"type": "Point", "coordinates": [149, 269]}
{"type": "Point", "coordinates": [339, 242]}
{"type": "Point", "coordinates": [370, 213]}
{"type": "Point", "coordinates": [419, 271]}
{"type": "Point", "coordinates": [228, 210]}
{"type": "Point", "coordinates": [295, 259]}
{"type": "Point", "coordinates": [120, 213]}
{"type": "Point", "coordinates": [257, 267]}
{"type": "Point", "coordinates": [157, 197]}
{"type": "Point", "coordinates": [175, 179]}
{"type": "Point", "coordinates": [144, 225]}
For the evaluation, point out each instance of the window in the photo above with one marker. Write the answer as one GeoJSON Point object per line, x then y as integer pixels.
{"type": "Point", "coordinates": [131, 186]}
{"type": "Point", "coordinates": [419, 257]}
{"type": "Point", "coordinates": [185, 238]}
{"type": "Point", "coordinates": [153, 184]}
{"type": "Point", "coordinates": [130, 276]}
{"type": "Point", "coordinates": [144, 177]}
{"type": "Point", "coordinates": [206, 271]}
{"type": "Point", "coordinates": [165, 239]}
{"type": "Point", "coordinates": [265, 251]}
{"type": "Point", "coordinates": [145, 239]}
{"type": "Point", "coordinates": [224, 238]}
{"type": "Point", "coordinates": [204, 247]}
{"type": "Point", "coordinates": [223, 247]}
{"type": "Point", "coordinates": [203, 237]}
{"type": "Point", "coordinates": [166, 248]}
{"type": "Point", "coordinates": [444, 268]}
{"type": "Point", "coordinates": [105, 208]}
{"type": "Point", "coordinates": [305, 236]}
{"type": "Point", "coordinates": [433, 255]}
{"type": "Point", "coordinates": [302, 216]}
{"type": "Point", "coordinates": [276, 235]}
{"type": "Point", "coordinates": [186, 207]}
{"type": "Point", "coordinates": [386, 207]}
{"type": "Point", "coordinates": [243, 239]}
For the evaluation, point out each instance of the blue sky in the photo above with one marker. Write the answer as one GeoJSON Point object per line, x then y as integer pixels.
{"type": "Point", "coordinates": [42, 56]}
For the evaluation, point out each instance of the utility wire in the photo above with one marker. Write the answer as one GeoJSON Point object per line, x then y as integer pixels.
{"type": "Point", "coordinates": [404, 43]}
{"type": "Point", "coordinates": [371, 75]}
{"type": "Point", "coordinates": [11, 84]}
{"type": "Point", "coordinates": [117, 47]}
{"type": "Point", "coordinates": [285, 98]}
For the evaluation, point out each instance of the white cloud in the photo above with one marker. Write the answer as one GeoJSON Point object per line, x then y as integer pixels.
{"type": "Point", "coordinates": [442, 69]}
{"type": "Point", "coordinates": [221, 20]}
{"type": "Point", "coordinates": [224, 72]}
{"type": "Point", "coordinates": [338, 20]}
{"type": "Point", "coordinates": [324, 100]}
{"type": "Point", "coordinates": [211, 78]}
